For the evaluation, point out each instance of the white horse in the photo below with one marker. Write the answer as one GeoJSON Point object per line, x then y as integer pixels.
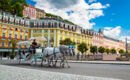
{"type": "Point", "coordinates": [56, 53]}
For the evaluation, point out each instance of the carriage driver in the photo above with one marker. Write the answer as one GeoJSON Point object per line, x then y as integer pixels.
{"type": "Point", "coordinates": [34, 46]}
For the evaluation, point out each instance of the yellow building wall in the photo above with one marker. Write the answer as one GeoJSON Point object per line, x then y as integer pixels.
{"type": "Point", "coordinates": [61, 34]}
{"type": "Point", "coordinates": [7, 31]}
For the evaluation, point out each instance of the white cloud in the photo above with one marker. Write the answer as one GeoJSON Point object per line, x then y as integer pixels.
{"type": "Point", "coordinates": [82, 11]}
{"type": "Point", "coordinates": [123, 38]}
{"type": "Point", "coordinates": [90, 1]}
{"type": "Point", "coordinates": [112, 32]}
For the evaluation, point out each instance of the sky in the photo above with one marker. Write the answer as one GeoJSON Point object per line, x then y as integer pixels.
{"type": "Point", "coordinates": [112, 16]}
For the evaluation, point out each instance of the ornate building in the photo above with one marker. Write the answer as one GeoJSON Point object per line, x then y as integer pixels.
{"type": "Point", "coordinates": [12, 27]}
{"type": "Point", "coordinates": [29, 11]}
{"type": "Point", "coordinates": [40, 14]}
{"type": "Point", "coordinates": [98, 38]}
{"type": "Point", "coordinates": [55, 30]}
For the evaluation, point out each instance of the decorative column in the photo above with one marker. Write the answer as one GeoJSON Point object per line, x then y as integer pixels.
{"type": "Point", "coordinates": [42, 36]}
{"type": "Point", "coordinates": [48, 38]}
{"type": "Point", "coordinates": [55, 37]}
{"type": "Point", "coordinates": [31, 32]}
{"type": "Point", "coordinates": [58, 32]}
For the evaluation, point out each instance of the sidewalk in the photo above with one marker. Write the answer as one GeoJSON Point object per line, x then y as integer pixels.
{"type": "Point", "coordinates": [16, 73]}
{"type": "Point", "coordinates": [102, 62]}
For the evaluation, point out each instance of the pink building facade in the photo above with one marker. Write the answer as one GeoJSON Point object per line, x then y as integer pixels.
{"type": "Point", "coordinates": [30, 11]}
{"type": "Point", "coordinates": [100, 40]}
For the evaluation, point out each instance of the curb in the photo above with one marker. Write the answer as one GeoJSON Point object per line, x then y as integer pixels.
{"type": "Point", "coordinates": [116, 63]}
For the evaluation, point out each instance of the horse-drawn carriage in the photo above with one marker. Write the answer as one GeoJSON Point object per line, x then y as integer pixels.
{"type": "Point", "coordinates": [49, 55]}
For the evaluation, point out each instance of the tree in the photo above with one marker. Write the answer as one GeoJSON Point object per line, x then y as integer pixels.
{"type": "Point", "coordinates": [13, 43]}
{"type": "Point", "coordinates": [121, 51]}
{"type": "Point", "coordinates": [93, 49]}
{"type": "Point", "coordinates": [5, 5]}
{"type": "Point", "coordinates": [107, 50]}
{"type": "Point", "coordinates": [82, 48]}
{"type": "Point", "coordinates": [113, 51]}
{"type": "Point", "coordinates": [101, 49]}
{"type": "Point", "coordinates": [67, 41]}
{"type": "Point", "coordinates": [17, 7]}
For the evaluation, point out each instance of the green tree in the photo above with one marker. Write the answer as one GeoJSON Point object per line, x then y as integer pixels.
{"type": "Point", "coordinates": [113, 51]}
{"type": "Point", "coordinates": [17, 7]}
{"type": "Point", "coordinates": [107, 50]}
{"type": "Point", "coordinates": [67, 41]}
{"type": "Point", "coordinates": [93, 49]}
{"type": "Point", "coordinates": [5, 5]}
{"type": "Point", "coordinates": [82, 48]}
{"type": "Point", "coordinates": [121, 51]}
{"type": "Point", "coordinates": [13, 43]}
{"type": "Point", "coordinates": [101, 49]}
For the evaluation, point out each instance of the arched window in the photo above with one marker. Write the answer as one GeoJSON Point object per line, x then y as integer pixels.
{"type": "Point", "coordinates": [49, 24]}
{"type": "Point", "coordinates": [64, 26]}
{"type": "Point", "coordinates": [43, 24]}
{"type": "Point", "coordinates": [55, 24]}
{"type": "Point", "coordinates": [59, 24]}
{"type": "Point", "coordinates": [68, 26]}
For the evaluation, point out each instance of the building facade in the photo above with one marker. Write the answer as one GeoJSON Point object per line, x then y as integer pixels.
{"type": "Point", "coordinates": [98, 38]}
{"type": "Point", "coordinates": [40, 14]}
{"type": "Point", "coordinates": [55, 30]}
{"type": "Point", "coordinates": [29, 11]}
{"type": "Point", "coordinates": [128, 48]}
{"type": "Point", "coordinates": [12, 27]}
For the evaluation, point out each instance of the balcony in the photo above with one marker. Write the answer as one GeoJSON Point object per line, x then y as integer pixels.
{"type": "Point", "coordinates": [10, 37]}
{"type": "Point", "coordinates": [16, 38]}
{"type": "Point", "coordinates": [4, 37]}
{"type": "Point", "coordinates": [4, 28]}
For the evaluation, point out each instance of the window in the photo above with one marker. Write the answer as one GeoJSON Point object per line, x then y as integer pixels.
{"type": "Point", "coordinates": [52, 31]}
{"type": "Point", "coordinates": [59, 24]}
{"type": "Point", "coordinates": [35, 31]}
{"type": "Point", "coordinates": [3, 44]}
{"type": "Point", "coordinates": [10, 35]}
{"type": "Point", "coordinates": [10, 28]}
{"type": "Point", "coordinates": [21, 30]}
{"type": "Point", "coordinates": [40, 31]}
{"type": "Point", "coordinates": [9, 44]}
{"type": "Point", "coordinates": [3, 34]}
{"type": "Point", "coordinates": [16, 29]}
{"type": "Point", "coordinates": [55, 24]}
{"type": "Point", "coordinates": [49, 24]}
{"type": "Point", "coordinates": [15, 36]}
{"type": "Point", "coordinates": [26, 37]}
{"type": "Point", "coordinates": [21, 36]}
{"type": "Point", "coordinates": [45, 31]}
{"type": "Point", "coordinates": [26, 31]}
{"type": "Point", "coordinates": [51, 37]}
{"type": "Point", "coordinates": [4, 27]}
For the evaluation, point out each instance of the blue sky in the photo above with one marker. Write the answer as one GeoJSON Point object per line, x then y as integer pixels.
{"type": "Point", "coordinates": [115, 18]}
